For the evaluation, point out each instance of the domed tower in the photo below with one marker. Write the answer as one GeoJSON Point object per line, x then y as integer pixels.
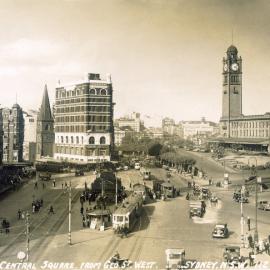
{"type": "Point", "coordinates": [232, 84]}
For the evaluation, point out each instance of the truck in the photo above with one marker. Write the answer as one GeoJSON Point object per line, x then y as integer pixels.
{"type": "Point", "coordinates": [196, 208]}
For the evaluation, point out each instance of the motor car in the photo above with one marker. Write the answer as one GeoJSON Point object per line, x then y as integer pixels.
{"type": "Point", "coordinates": [213, 199]}
{"type": "Point", "coordinates": [137, 166]}
{"type": "Point", "coordinates": [250, 178]}
{"type": "Point", "coordinates": [232, 255]}
{"type": "Point", "coordinates": [175, 258]}
{"type": "Point", "coordinates": [238, 198]}
{"type": "Point", "coordinates": [119, 168]}
{"type": "Point", "coordinates": [79, 172]}
{"type": "Point", "coordinates": [125, 167]}
{"type": "Point", "coordinates": [264, 205]}
{"type": "Point", "coordinates": [220, 231]}
{"type": "Point", "coordinates": [45, 176]}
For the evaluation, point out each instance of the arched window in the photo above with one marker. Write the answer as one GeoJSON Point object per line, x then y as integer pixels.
{"type": "Point", "coordinates": [92, 92]}
{"type": "Point", "coordinates": [102, 140]}
{"type": "Point", "coordinates": [71, 138]}
{"type": "Point", "coordinates": [62, 139]}
{"type": "Point", "coordinates": [103, 92]}
{"type": "Point", "coordinates": [92, 140]}
{"type": "Point", "coordinates": [77, 139]}
{"type": "Point", "coordinates": [82, 139]}
{"type": "Point", "coordinates": [66, 139]}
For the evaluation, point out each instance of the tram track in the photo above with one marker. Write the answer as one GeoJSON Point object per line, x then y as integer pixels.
{"type": "Point", "coordinates": [44, 241]}
{"type": "Point", "coordinates": [137, 247]}
{"type": "Point", "coordinates": [9, 251]}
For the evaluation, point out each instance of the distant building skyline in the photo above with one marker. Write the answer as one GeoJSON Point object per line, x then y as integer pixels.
{"type": "Point", "coordinates": [164, 55]}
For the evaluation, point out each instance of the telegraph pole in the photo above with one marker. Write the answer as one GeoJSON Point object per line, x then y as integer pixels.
{"type": "Point", "coordinates": [242, 218]}
{"type": "Point", "coordinates": [69, 215]}
{"type": "Point", "coordinates": [27, 237]}
{"type": "Point", "coordinates": [254, 173]}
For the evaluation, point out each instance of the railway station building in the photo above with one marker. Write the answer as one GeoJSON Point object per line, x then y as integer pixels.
{"type": "Point", "coordinates": [252, 132]}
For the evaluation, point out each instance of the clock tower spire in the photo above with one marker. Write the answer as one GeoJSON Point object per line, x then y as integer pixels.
{"type": "Point", "coordinates": [232, 84]}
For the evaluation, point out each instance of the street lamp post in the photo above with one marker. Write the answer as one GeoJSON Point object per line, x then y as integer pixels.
{"type": "Point", "coordinates": [254, 173]}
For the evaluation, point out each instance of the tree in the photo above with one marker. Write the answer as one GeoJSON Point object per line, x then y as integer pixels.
{"type": "Point", "coordinates": [154, 149]}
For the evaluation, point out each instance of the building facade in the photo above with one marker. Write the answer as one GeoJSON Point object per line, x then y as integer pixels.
{"type": "Point", "coordinates": [30, 135]}
{"type": "Point", "coordinates": [13, 134]}
{"type": "Point", "coordinates": [45, 128]}
{"type": "Point", "coordinates": [197, 128]}
{"type": "Point", "coordinates": [133, 122]}
{"type": "Point", "coordinates": [84, 120]}
{"type": "Point", "coordinates": [168, 126]}
{"type": "Point", "coordinates": [119, 134]}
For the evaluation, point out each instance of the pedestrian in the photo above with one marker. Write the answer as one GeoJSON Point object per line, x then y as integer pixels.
{"type": "Point", "coordinates": [267, 248]}
{"type": "Point", "coordinates": [36, 185]}
{"type": "Point", "coordinates": [83, 221]}
{"type": "Point", "coordinates": [19, 214]}
{"type": "Point", "coordinates": [54, 184]}
{"type": "Point", "coordinates": [87, 221]}
{"type": "Point", "coordinates": [81, 211]}
{"type": "Point", "coordinates": [250, 241]}
{"type": "Point", "coordinates": [248, 223]}
{"type": "Point", "coordinates": [43, 185]}
{"type": "Point", "coordinates": [261, 246]}
{"type": "Point", "coordinates": [51, 211]}
{"type": "Point", "coordinates": [62, 185]}
{"type": "Point", "coordinates": [251, 256]}
{"type": "Point", "coordinates": [33, 208]}
{"type": "Point", "coordinates": [65, 184]}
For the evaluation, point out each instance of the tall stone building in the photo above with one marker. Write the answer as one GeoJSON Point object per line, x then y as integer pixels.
{"type": "Point", "coordinates": [45, 128]}
{"type": "Point", "coordinates": [13, 134]}
{"type": "Point", "coordinates": [84, 120]}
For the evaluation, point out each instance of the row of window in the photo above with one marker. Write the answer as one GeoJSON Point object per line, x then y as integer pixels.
{"type": "Point", "coordinates": [80, 151]}
{"type": "Point", "coordinates": [83, 128]}
{"type": "Point", "coordinates": [82, 100]}
{"type": "Point", "coordinates": [82, 118]}
{"type": "Point", "coordinates": [251, 133]}
{"type": "Point", "coordinates": [253, 124]}
{"type": "Point", "coordinates": [76, 140]}
{"type": "Point", "coordinates": [83, 109]}
{"type": "Point", "coordinates": [85, 91]}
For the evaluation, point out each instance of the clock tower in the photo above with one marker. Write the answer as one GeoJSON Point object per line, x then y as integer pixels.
{"type": "Point", "coordinates": [232, 85]}
{"type": "Point", "coordinates": [45, 128]}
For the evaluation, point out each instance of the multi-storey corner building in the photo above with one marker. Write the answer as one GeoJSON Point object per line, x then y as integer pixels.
{"type": "Point", "coordinates": [13, 134]}
{"type": "Point", "coordinates": [84, 120]}
{"type": "Point", "coordinates": [30, 135]}
{"type": "Point", "coordinates": [45, 128]}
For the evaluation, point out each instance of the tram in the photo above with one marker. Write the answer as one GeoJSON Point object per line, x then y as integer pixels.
{"type": "Point", "coordinates": [128, 213]}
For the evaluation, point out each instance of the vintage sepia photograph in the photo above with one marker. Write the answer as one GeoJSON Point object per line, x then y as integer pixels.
{"type": "Point", "coordinates": [134, 134]}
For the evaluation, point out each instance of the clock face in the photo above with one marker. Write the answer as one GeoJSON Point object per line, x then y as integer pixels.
{"type": "Point", "coordinates": [234, 67]}
{"type": "Point", "coordinates": [225, 67]}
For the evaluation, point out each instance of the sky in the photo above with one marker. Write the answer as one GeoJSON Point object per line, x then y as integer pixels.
{"type": "Point", "coordinates": [164, 56]}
